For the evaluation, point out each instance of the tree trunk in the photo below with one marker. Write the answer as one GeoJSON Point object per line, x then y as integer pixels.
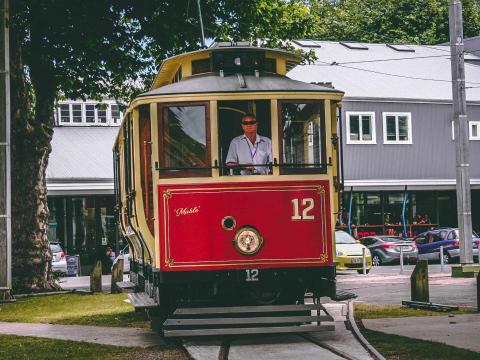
{"type": "Point", "coordinates": [31, 256]}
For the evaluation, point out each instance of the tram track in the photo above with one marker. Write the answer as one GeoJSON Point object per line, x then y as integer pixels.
{"type": "Point", "coordinates": [343, 343]}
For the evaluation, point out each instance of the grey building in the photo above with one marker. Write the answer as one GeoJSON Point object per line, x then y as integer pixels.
{"type": "Point", "coordinates": [80, 178]}
{"type": "Point", "coordinates": [397, 130]}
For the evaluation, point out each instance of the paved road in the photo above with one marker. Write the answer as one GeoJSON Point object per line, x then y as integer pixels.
{"type": "Point", "coordinates": [384, 285]}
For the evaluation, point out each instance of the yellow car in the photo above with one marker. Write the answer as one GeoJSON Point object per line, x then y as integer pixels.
{"type": "Point", "coordinates": [349, 253]}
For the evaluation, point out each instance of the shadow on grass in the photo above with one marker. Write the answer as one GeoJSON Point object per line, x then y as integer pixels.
{"type": "Point", "coordinates": [25, 347]}
{"type": "Point", "coordinates": [128, 319]}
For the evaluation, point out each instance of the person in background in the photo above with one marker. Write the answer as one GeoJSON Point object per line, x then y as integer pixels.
{"type": "Point", "coordinates": [110, 256]}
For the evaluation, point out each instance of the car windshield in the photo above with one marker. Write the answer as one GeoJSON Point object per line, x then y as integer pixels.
{"type": "Point", "coordinates": [457, 234]}
{"type": "Point", "coordinates": [341, 237]}
{"type": "Point", "coordinates": [55, 248]}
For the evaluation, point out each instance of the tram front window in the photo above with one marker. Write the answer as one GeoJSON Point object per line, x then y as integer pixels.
{"type": "Point", "coordinates": [184, 141]}
{"type": "Point", "coordinates": [245, 137]}
{"type": "Point", "coordinates": [303, 143]}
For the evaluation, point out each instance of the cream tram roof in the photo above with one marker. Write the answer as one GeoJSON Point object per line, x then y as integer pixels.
{"type": "Point", "coordinates": [178, 75]}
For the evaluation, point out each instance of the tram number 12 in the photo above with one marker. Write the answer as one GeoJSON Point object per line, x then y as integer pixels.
{"type": "Point", "coordinates": [307, 206]}
{"type": "Point", "coordinates": [252, 275]}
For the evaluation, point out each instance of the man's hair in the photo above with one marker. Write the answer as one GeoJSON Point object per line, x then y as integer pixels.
{"type": "Point", "coordinates": [249, 115]}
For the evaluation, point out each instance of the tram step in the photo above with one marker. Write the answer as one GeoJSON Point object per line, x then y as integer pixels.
{"type": "Point", "coordinates": [125, 285]}
{"type": "Point", "coordinates": [247, 309]}
{"type": "Point", "coordinates": [141, 300]}
{"type": "Point", "coordinates": [252, 330]}
{"type": "Point", "coordinates": [239, 320]}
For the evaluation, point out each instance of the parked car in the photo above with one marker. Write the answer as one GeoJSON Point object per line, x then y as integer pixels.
{"type": "Point", "coordinates": [429, 242]}
{"type": "Point", "coordinates": [349, 253]}
{"type": "Point", "coordinates": [59, 263]}
{"type": "Point", "coordinates": [386, 249]}
{"type": "Point", "coordinates": [126, 259]}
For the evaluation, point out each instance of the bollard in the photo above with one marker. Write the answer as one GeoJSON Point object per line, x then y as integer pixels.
{"type": "Point", "coordinates": [96, 277]}
{"type": "Point", "coordinates": [117, 276]}
{"type": "Point", "coordinates": [419, 282]}
{"type": "Point", "coordinates": [478, 292]}
{"type": "Point", "coordinates": [401, 259]}
{"type": "Point", "coordinates": [364, 261]}
{"type": "Point", "coordinates": [441, 259]}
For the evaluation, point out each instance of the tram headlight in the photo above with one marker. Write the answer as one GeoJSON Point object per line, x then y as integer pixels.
{"type": "Point", "coordinates": [248, 240]}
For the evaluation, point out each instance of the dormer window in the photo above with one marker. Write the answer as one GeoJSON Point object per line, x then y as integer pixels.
{"type": "Point", "coordinates": [201, 66]}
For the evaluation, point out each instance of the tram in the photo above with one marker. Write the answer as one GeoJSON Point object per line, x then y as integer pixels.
{"type": "Point", "coordinates": [204, 232]}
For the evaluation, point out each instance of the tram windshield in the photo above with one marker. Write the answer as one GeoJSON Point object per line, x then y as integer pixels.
{"type": "Point", "coordinates": [245, 137]}
{"type": "Point", "coordinates": [303, 144]}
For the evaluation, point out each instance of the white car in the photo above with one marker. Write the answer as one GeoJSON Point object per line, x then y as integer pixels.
{"type": "Point", "coordinates": [59, 263]}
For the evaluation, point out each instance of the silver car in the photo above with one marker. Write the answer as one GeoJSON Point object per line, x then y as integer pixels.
{"type": "Point", "coordinates": [386, 249]}
{"type": "Point", "coordinates": [59, 263]}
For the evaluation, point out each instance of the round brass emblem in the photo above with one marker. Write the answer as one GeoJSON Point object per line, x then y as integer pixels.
{"type": "Point", "coordinates": [248, 240]}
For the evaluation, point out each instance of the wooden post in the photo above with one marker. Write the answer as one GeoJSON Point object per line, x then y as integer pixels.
{"type": "Point", "coordinates": [419, 282]}
{"type": "Point", "coordinates": [117, 276]}
{"type": "Point", "coordinates": [478, 292]}
{"type": "Point", "coordinates": [96, 277]}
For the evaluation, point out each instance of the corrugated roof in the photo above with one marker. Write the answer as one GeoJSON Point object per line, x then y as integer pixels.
{"type": "Point", "coordinates": [383, 72]}
{"type": "Point", "coordinates": [81, 154]}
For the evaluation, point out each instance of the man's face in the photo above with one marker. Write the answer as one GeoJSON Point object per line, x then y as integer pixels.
{"type": "Point", "coordinates": [249, 125]}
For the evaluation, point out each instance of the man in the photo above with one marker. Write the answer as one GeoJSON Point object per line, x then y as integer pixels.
{"type": "Point", "coordinates": [250, 149]}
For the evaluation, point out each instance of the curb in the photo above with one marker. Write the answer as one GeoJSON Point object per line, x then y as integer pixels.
{"type": "Point", "coordinates": [81, 292]}
{"type": "Point", "coordinates": [359, 336]}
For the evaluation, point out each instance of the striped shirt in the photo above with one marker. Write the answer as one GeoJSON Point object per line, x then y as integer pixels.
{"type": "Point", "coordinates": [242, 151]}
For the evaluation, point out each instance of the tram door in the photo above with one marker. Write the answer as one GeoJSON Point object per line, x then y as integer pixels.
{"type": "Point", "coordinates": [230, 114]}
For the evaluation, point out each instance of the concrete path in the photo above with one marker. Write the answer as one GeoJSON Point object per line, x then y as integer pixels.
{"type": "Point", "coordinates": [130, 337]}
{"type": "Point", "coordinates": [456, 330]}
{"type": "Point", "coordinates": [384, 285]}
{"type": "Point", "coordinates": [83, 282]}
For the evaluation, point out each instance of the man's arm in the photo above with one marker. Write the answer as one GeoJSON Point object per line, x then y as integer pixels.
{"type": "Point", "coordinates": [232, 156]}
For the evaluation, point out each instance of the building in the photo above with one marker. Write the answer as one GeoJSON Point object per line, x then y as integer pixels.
{"type": "Point", "coordinates": [80, 178]}
{"type": "Point", "coordinates": [398, 131]}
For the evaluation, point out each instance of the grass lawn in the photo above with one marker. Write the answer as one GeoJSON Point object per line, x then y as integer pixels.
{"type": "Point", "coordinates": [395, 347]}
{"type": "Point", "coordinates": [75, 309]}
{"type": "Point", "coordinates": [21, 347]}
{"type": "Point", "coordinates": [364, 311]}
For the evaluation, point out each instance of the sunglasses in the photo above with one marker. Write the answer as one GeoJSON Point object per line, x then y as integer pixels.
{"type": "Point", "coordinates": [253, 122]}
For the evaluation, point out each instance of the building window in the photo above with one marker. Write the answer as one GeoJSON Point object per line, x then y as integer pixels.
{"type": "Point", "coordinates": [90, 113]}
{"type": "Point", "coordinates": [473, 130]}
{"type": "Point", "coordinates": [474, 127]}
{"type": "Point", "coordinates": [115, 113]}
{"type": "Point", "coordinates": [77, 113]}
{"type": "Point", "coordinates": [397, 128]}
{"type": "Point", "coordinates": [102, 115]}
{"type": "Point", "coordinates": [361, 128]}
{"type": "Point", "coordinates": [65, 113]}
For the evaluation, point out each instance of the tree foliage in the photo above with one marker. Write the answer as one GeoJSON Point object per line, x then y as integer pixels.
{"type": "Point", "coordinates": [98, 48]}
{"type": "Point", "coordinates": [390, 21]}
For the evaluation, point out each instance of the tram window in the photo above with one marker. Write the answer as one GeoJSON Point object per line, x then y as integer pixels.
{"type": "Point", "coordinates": [230, 114]}
{"type": "Point", "coordinates": [184, 141]}
{"type": "Point", "coordinates": [303, 138]}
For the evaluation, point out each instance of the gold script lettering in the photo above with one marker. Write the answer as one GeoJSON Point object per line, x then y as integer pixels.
{"type": "Point", "coordinates": [187, 211]}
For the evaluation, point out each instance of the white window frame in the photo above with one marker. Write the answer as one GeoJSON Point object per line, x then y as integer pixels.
{"type": "Point", "coordinates": [83, 104]}
{"type": "Point", "coordinates": [409, 141]}
{"type": "Point", "coordinates": [470, 130]}
{"type": "Point", "coordinates": [372, 126]}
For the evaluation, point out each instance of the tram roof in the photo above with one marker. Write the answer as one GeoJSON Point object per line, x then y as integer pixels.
{"type": "Point", "coordinates": [213, 83]}
{"type": "Point", "coordinates": [171, 64]}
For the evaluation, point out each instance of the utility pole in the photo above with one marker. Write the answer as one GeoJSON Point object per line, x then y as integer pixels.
{"type": "Point", "coordinates": [460, 121]}
{"type": "Point", "coordinates": [5, 165]}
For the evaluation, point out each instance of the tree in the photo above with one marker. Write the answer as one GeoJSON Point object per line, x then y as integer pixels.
{"type": "Point", "coordinates": [97, 48]}
{"type": "Point", "coordinates": [390, 21]}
